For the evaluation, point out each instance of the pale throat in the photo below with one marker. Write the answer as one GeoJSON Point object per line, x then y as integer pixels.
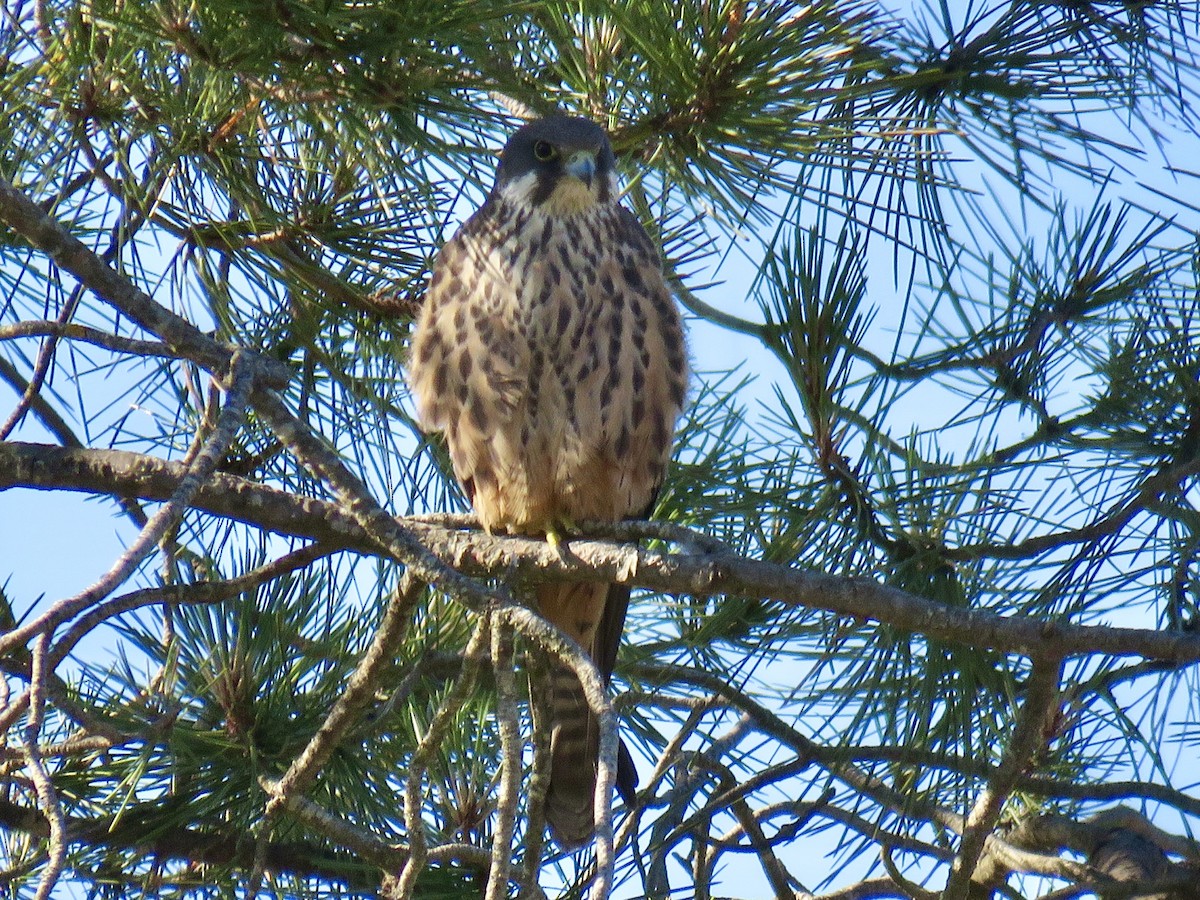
{"type": "Point", "coordinates": [570, 196]}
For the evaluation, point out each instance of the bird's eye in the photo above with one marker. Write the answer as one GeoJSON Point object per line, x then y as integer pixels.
{"type": "Point", "coordinates": [544, 151]}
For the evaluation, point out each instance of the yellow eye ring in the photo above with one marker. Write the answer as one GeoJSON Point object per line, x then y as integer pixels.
{"type": "Point", "coordinates": [544, 151]}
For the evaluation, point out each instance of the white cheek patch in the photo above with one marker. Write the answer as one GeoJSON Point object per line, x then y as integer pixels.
{"type": "Point", "coordinates": [521, 190]}
{"type": "Point", "coordinates": [570, 195]}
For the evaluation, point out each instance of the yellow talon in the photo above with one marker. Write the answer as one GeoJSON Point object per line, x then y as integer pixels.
{"type": "Point", "coordinates": [556, 538]}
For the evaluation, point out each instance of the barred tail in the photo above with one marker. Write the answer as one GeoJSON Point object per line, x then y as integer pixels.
{"type": "Point", "coordinates": [573, 751]}
{"type": "Point", "coordinates": [593, 614]}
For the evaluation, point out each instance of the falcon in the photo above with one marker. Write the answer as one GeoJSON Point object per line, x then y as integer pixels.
{"type": "Point", "coordinates": [550, 353]}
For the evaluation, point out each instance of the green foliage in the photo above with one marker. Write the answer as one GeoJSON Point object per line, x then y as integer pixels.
{"type": "Point", "coordinates": [972, 373]}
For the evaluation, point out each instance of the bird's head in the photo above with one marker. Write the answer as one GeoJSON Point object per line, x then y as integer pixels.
{"type": "Point", "coordinates": [560, 165]}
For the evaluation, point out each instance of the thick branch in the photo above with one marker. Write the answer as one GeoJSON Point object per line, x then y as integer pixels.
{"type": "Point", "coordinates": [1126, 853]}
{"type": "Point", "coordinates": [26, 218]}
{"type": "Point", "coordinates": [145, 832]}
{"type": "Point", "coordinates": [120, 473]}
{"type": "Point", "coordinates": [1041, 695]}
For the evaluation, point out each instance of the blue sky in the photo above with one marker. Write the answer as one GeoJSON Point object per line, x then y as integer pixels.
{"type": "Point", "coordinates": [54, 544]}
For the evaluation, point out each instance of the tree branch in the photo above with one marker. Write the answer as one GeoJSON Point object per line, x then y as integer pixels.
{"type": "Point", "coordinates": [119, 473]}
{"type": "Point", "coordinates": [143, 830]}
{"type": "Point", "coordinates": [195, 475]}
{"type": "Point", "coordinates": [26, 218]}
{"type": "Point", "coordinates": [1041, 696]}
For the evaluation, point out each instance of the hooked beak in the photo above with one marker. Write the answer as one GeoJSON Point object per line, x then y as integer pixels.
{"type": "Point", "coordinates": [581, 164]}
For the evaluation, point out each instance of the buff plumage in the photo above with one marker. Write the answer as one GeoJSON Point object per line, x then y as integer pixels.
{"type": "Point", "coordinates": [550, 353]}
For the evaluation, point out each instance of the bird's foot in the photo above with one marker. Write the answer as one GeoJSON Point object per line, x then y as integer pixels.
{"type": "Point", "coordinates": [556, 537]}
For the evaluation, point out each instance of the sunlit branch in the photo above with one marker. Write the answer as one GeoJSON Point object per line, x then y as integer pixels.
{"type": "Point", "coordinates": [166, 518]}
{"type": "Point", "coordinates": [39, 775]}
{"type": "Point", "coordinates": [87, 334]}
{"type": "Point", "coordinates": [508, 797]}
{"type": "Point", "coordinates": [184, 338]}
{"type": "Point", "coordinates": [479, 554]}
{"type": "Point", "coordinates": [475, 657]}
{"type": "Point", "coordinates": [358, 693]}
{"type": "Point", "coordinates": [1041, 697]}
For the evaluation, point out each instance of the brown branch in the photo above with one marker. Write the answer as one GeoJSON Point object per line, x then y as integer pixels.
{"type": "Point", "coordinates": [748, 823]}
{"type": "Point", "coordinates": [27, 219]}
{"type": "Point", "coordinates": [474, 654]}
{"type": "Point", "coordinates": [1154, 486]}
{"type": "Point", "coordinates": [1126, 854]}
{"type": "Point", "coordinates": [357, 694]}
{"type": "Point", "coordinates": [44, 328]}
{"type": "Point", "coordinates": [144, 830]}
{"type": "Point", "coordinates": [1112, 790]}
{"type": "Point", "coordinates": [1041, 696]}
{"type": "Point", "coordinates": [200, 593]}
{"type": "Point", "coordinates": [359, 841]}
{"type": "Point", "coordinates": [872, 889]}
{"type": "Point", "coordinates": [119, 473]}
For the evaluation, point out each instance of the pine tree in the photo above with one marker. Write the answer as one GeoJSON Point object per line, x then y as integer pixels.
{"type": "Point", "coordinates": [916, 614]}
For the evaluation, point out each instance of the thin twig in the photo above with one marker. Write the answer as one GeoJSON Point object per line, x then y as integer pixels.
{"type": "Point", "coordinates": [1041, 695]}
{"type": "Point", "coordinates": [414, 824]}
{"type": "Point", "coordinates": [232, 416]}
{"type": "Point", "coordinates": [201, 593]}
{"type": "Point", "coordinates": [357, 503]}
{"type": "Point", "coordinates": [910, 889]}
{"type": "Point", "coordinates": [777, 875]}
{"type": "Point", "coordinates": [770, 724]}
{"type": "Point", "coordinates": [80, 745]}
{"type": "Point", "coordinates": [40, 777]}
{"type": "Point", "coordinates": [185, 339]}
{"type": "Point", "coordinates": [510, 761]}
{"type": "Point", "coordinates": [355, 697]}
{"type": "Point", "coordinates": [666, 759]}
{"type": "Point", "coordinates": [46, 328]}
{"type": "Point", "coordinates": [41, 367]}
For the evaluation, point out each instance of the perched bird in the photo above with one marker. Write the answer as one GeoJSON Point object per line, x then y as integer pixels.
{"type": "Point", "coordinates": [551, 354]}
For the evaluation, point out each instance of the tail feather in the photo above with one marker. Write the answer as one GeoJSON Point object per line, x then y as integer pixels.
{"type": "Point", "coordinates": [574, 747]}
{"type": "Point", "coordinates": [585, 611]}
